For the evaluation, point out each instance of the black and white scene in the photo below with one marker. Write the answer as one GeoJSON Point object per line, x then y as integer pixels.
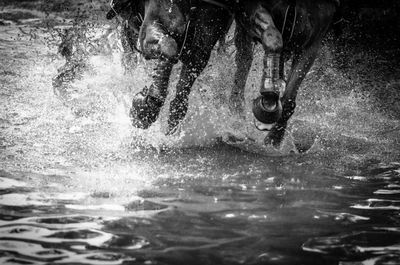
{"type": "Point", "coordinates": [200, 132]}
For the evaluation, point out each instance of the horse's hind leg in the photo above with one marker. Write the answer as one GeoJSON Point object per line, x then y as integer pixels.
{"type": "Point", "coordinates": [244, 58]}
{"type": "Point", "coordinates": [301, 64]}
{"type": "Point", "coordinates": [73, 48]}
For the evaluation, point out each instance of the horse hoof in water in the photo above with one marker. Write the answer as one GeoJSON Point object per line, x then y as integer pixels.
{"type": "Point", "coordinates": [145, 110]}
{"type": "Point", "coordinates": [267, 110]}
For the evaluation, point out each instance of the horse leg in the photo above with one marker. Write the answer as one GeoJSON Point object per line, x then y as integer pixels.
{"type": "Point", "coordinates": [267, 107]}
{"type": "Point", "coordinates": [74, 49]}
{"type": "Point", "coordinates": [129, 39]}
{"type": "Point", "coordinates": [179, 105]}
{"type": "Point", "coordinates": [243, 59]}
{"type": "Point", "coordinates": [302, 62]}
{"type": "Point", "coordinates": [146, 105]}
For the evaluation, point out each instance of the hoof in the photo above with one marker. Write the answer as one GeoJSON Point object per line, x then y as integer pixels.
{"type": "Point", "coordinates": [145, 110]}
{"type": "Point", "coordinates": [267, 110]}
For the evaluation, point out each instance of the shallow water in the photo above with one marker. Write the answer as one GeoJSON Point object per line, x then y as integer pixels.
{"type": "Point", "coordinates": [79, 185]}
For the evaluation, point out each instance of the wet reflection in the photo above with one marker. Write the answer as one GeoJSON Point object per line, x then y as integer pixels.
{"type": "Point", "coordinates": [211, 221]}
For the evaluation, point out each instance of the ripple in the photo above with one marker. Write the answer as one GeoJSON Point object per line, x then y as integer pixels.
{"type": "Point", "coordinates": [253, 215]}
{"type": "Point", "coordinates": [390, 259]}
{"type": "Point", "coordinates": [32, 253]}
{"type": "Point", "coordinates": [13, 199]}
{"type": "Point", "coordinates": [355, 244]}
{"type": "Point", "coordinates": [64, 220]}
{"type": "Point", "coordinates": [40, 199]}
{"type": "Point", "coordinates": [145, 205]}
{"type": "Point", "coordinates": [27, 232]}
{"type": "Point", "coordinates": [378, 204]}
{"type": "Point", "coordinates": [99, 258]}
{"type": "Point", "coordinates": [387, 192]}
{"type": "Point", "coordinates": [129, 242]}
{"type": "Point", "coordinates": [33, 250]}
{"type": "Point", "coordinates": [345, 217]}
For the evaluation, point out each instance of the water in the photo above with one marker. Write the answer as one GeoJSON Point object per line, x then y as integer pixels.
{"type": "Point", "coordinates": [79, 185]}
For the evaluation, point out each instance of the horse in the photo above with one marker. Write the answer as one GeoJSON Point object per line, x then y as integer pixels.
{"type": "Point", "coordinates": [302, 25]}
{"type": "Point", "coordinates": [173, 31]}
{"type": "Point", "coordinates": [188, 30]}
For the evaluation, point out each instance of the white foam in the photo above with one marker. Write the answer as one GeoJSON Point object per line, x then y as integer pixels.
{"type": "Point", "coordinates": [359, 178]}
{"type": "Point", "coordinates": [107, 207]}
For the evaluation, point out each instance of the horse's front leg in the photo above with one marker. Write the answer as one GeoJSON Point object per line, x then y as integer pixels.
{"type": "Point", "coordinates": [244, 57]}
{"type": "Point", "coordinates": [301, 64]}
{"type": "Point", "coordinates": [146, 105]}
{"type": "Point", "coordinates": [179, 105]}
{"type": "Point", "coordinates": [267, 108]}
{"type": "Point", "coordinates": [129, 39]}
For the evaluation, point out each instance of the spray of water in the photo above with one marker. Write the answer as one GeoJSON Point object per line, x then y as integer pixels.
{"type": "Point", "coordinates": [90, 127]}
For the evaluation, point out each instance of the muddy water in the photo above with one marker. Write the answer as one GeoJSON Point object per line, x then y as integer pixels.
{"type": "Point", "coordinates": [79, 185]}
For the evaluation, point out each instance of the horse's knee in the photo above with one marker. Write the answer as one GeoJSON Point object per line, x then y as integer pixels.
{"type": "Point", "coordinates": [272, 40]}
{"type": "Point", "coordinates": [270, 36]}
